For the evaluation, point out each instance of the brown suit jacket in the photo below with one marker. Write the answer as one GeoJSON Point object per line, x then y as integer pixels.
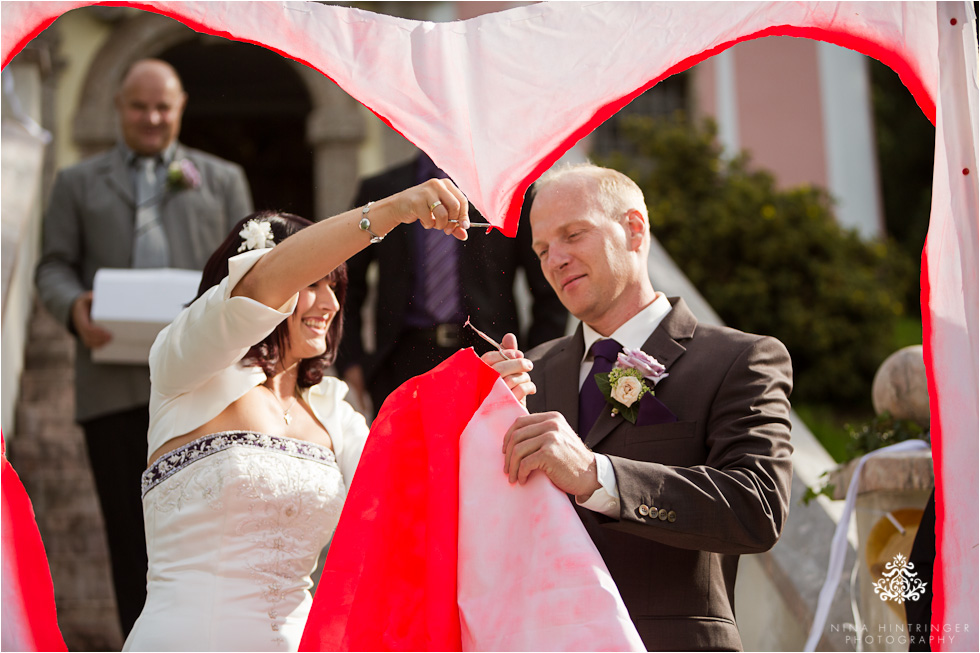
{"type": "Point", "coordinates": [697, 492]}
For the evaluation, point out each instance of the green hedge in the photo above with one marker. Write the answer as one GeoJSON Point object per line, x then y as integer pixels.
{"type": "Point", "coordinates": [768, 260]}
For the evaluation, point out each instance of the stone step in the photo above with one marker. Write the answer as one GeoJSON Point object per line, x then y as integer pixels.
{"type": "Point", "coordinates": [50, 456]}
{"type": "Point", "coordinates": [47, 422]}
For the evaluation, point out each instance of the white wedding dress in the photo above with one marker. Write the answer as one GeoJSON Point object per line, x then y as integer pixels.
{"type": "Point", "coordinates": [235, 523]}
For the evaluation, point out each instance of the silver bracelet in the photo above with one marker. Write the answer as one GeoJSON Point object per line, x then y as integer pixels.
{"type": "Point", "coordinates": [365, 224]}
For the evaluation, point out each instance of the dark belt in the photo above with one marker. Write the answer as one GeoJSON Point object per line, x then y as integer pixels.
{"type": "Point", "coordinates": [448, 336]}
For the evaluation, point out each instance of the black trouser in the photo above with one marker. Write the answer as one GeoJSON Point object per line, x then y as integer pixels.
{"type": "Point", "coordinates": [918, 612]}
{"type": "Point", "coordinates": [416, 352]}
{"type": "Point", "coordinates": [117, 451]}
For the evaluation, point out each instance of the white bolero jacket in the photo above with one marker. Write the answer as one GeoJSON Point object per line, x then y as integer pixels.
{"type": "Point", "coordinates": [195, 368]}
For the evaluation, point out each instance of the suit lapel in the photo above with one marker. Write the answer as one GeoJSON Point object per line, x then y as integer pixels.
{"type": "Point", "coordinates": [119, 177]}
{"type": "Point", "coordinates": [168, 194]}
{"type": "Point", "coordinates": [561, 378]}
{"type": "Point", "coordinates": [664, 345]}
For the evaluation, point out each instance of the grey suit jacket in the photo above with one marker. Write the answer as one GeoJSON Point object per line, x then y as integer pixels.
{"type": "Point", "coordinates": [697, 492]}
{"type": "Point", "coordinates": [89, 225]}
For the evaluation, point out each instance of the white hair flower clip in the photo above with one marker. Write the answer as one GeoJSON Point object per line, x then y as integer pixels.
{"type": "Point", "coordinates": [256, 234]}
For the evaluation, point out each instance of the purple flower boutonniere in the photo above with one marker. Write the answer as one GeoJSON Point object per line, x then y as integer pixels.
{"type": "Point", "coordinates": [634, 375]}
{"type": "Point", "coordinates": [182, 175]}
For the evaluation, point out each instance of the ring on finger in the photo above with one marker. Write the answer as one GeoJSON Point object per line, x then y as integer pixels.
{"type": "Point", "coordinates": [432, 207]}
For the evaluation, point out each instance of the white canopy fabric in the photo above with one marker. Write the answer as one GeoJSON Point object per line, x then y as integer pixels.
{"type": "Point", "coordinates": [495, 100]}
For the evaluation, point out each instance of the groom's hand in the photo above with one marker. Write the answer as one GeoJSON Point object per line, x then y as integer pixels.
{"type": "Point", "coordinates": [512, 367]}
{"type": "Point", "coordinates": [545, 441]}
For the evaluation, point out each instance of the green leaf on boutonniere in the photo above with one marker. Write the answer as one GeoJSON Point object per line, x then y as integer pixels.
{"type": "Point", "coordinates": [629, 414]}
{"type": "Point", "coordinates": [602, 380]}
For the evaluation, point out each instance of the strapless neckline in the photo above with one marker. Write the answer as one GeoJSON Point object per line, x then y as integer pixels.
{"type": "Point", "coordinates": [173, 461]}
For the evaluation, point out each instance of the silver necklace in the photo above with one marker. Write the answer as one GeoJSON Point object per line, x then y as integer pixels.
{"type": "Point", "coordinates": [286, 417]}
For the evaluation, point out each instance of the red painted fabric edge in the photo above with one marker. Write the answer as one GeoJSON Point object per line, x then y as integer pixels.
{"type": "Point", "coordinates": [27, 39]}
{"type": "Point", "coordinates": [936, 434]}
{"type": "Point", "coordinates": [890, 58]}
{"type": "Point", "coordinates": [512, 218]}
{"type": "Point", "coordinates": [389, 581]}
{"type": "Point", "coordinates": [33, 575]}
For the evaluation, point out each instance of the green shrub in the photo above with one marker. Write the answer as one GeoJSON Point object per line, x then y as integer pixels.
{"type": "Point", "coordinates": [881, 431]}
{"type": "Point", "coordinates": [768, 260]}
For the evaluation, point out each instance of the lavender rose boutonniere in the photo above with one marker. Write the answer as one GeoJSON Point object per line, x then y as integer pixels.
{"type": "Point", "coordinates": [634, 374]}
{"type": "Point", "coordinates": [182, 175]}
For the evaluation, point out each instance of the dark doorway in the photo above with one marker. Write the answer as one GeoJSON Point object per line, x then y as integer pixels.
{"type": "Point", "coordinates": [247, 104]}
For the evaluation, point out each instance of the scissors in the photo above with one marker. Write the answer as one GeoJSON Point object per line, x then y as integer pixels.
{"type": "Point", "coordinates": [477, 224]}
{"type": "Point", "coordinates": [485, 336]}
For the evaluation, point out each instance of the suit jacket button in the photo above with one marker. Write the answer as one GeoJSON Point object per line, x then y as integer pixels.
{"type": "Point", "coordinates": [671, 516]}
{"type": "Point", "coordinates": [662, 515]}
{"type": "Point", "coordinates": [644, 510]}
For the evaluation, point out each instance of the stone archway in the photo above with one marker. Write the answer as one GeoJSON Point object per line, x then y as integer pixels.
{"type": "Point", "coordinates": [334, 127]}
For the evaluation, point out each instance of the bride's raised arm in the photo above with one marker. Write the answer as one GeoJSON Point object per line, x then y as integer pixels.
{"type": "Point", "coordinates": [311, 254]}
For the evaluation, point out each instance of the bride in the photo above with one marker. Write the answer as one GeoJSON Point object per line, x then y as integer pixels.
{"type": "Point", "coordinates": [254, 448]}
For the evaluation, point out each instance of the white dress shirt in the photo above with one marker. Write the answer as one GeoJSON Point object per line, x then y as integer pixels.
{"type": "Point", "coordinates": [632, 334]}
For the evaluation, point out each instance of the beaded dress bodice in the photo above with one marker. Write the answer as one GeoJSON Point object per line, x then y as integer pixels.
{"type": "Point", "coordinates": [235, 523]}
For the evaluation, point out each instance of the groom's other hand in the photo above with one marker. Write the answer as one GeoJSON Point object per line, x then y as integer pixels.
{"type": "Point", "coordinates": [545, 441]}
{"type": "Point", "coordinates": [512, 367]}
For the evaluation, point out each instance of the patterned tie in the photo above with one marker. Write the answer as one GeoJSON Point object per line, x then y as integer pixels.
{"type": "Point", "coordinates": [150, 247]}
{"type": "Point", "coordinates": [590, 400]}
{"type": "Point", "coordinates": [442, 296]}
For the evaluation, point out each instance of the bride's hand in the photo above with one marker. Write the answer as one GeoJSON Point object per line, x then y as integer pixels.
{"type": "Point", "coordinates": [437, 204]}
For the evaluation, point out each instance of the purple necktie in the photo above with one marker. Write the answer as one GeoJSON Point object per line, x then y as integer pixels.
{"type": "Point", "coordinates": [440, 261]}
{"type": "Point", "coordinates": [590, 400]}
{"type": "Point", "coordinates": [442, 300]}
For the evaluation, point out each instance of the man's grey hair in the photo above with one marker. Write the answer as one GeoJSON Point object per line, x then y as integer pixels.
{"type": "Point", "coordinates": [616, 194]}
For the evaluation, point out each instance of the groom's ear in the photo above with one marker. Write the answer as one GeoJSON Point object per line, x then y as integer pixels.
{"type": "Point", "coordinates": [636, 229]}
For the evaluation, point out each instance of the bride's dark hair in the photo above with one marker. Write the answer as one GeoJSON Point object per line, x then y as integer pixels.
{"type": "Point", "coordinates": [266, 354]}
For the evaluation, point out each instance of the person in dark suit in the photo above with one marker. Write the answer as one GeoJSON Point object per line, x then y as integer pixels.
{"type": "Point", "coordinates": [427, 288]}
{"type": "Point", "coordinates": [149, 202]}
{"type": "Point", "coordinates": [704, 473]}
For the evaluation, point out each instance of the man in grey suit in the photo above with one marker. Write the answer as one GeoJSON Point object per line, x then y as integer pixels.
{"type": "Point", "coordinates": [704, 473]}
{"type": "Point", "coordinates": [149, 202]}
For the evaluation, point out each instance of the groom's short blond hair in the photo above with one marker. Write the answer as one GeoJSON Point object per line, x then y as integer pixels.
{"type": "Point", "coordinates": [615, 192]}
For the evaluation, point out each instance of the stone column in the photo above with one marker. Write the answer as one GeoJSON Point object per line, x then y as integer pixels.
{"type": "Point", "coordinates": [335, 137]}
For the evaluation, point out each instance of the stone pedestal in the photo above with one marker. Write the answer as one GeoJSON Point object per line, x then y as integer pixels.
{"type": "Point", "coordinates": [900, 386]}
{"type": "Point", "coordinates": [893, 491]}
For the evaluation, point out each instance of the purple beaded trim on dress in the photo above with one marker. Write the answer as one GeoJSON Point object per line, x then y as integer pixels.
{"type": "Point", "coordinates": [172, 462]}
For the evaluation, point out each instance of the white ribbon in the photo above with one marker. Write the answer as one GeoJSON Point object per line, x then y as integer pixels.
{"type": "Point", "coordinates": [838, 546]}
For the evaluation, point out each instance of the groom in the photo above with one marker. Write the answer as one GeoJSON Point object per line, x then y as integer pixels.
{"type": "Point", "coordinates": [704, 473]}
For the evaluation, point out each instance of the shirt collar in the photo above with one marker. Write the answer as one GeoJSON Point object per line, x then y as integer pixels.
{"type": "Point", "coordinates": [636, 330]}
{"type": "Point", "coordinates": [165, 157]}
